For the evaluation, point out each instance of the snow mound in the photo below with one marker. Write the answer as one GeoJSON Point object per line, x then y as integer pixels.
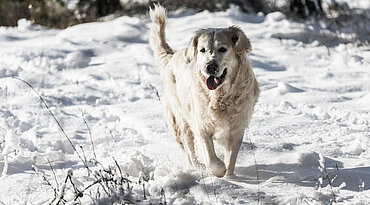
{"type": "Point", "coordinates": [57, 159]}
{"type": "Point", "coordinates": [135, 163]}
{"type": "Point", "coordinates": [175, 181]}
{"type": "Point", "coordinates": [360, 145]}
{"type": "Point", "coordinates": [311, 160]}
{"type": "Point", "coordinates": [284, 88]}
{"type": "Point", "coordinates": [24, 25]}
{"type": "Point", "coordinates": [235, 12]}
{"type": "Point", "coordinates": [275, 16]}
{"type": "Point", "coordinates": [363, 102]}
{"type": "Point", "coordinates": [79, 59]}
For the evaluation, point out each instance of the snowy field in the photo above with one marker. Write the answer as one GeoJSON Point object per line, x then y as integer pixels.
{"type": "Point", "coordinates": [315, 102]}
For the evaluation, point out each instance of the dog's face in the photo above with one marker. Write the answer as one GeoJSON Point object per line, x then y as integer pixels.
{"type": "Point", "coordinates": [216, 52]}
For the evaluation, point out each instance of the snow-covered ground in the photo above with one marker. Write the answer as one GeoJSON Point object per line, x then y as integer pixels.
{"type": "Point", "coordinates": [315, 101]}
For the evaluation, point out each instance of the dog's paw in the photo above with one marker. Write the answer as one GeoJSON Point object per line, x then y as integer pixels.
{"type": "Point", "coordinates": [217, 168]}
{"type": "Point", "coordinates": [231, 177]}
{"type": "Point", "coordinates": [200, 166]}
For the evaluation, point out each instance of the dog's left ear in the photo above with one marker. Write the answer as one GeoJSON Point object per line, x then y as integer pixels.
{"type": "Point", "coordinates": [190, 52]}
{"type": "Point", "coordinates": [241, 42]}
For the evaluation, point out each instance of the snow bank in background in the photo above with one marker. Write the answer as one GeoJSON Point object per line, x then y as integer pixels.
{"type": "Point", "coordinates": [355, 4]}
{"type": "Point", "coordinates": [275, 16]}
{"type": "Point", "coordinates": [314, 100]}
{"type": "Point", "coordinates": [351, 29]}
{"type": "Point", "coordinates": [25, 25]}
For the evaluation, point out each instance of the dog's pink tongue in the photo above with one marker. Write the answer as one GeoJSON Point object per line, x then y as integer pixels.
{"type": "Point", "coordinates": [212, 82]}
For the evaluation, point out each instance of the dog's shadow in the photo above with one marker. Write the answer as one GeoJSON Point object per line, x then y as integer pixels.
{"type": "Point", "coordinates": [283, 173]}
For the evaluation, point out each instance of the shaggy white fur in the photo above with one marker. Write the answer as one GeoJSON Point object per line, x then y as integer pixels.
{"type": "Point", "coordinates": [209, 91]}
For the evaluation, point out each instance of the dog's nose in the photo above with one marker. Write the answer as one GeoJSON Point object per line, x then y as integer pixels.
{"type": "Point", "coordinates": [212, 68]}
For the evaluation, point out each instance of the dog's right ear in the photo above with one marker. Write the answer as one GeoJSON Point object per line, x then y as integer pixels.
{"type": "Point", "coordinates": [190, 52]}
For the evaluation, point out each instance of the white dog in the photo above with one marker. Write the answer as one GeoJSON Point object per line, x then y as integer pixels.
{"type": "Point", "coordinates": [209, 91]}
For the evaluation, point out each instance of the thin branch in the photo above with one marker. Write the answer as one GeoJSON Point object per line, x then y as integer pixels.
{"type": "Point", "coordinates": [78, 193]}
{"type": "Point", "coordinates": [156, 91]}
{"type": "Point", "coordinates": [52, 169]}
{"type": "Point", "coordinates": [119, 168]}
{"type": "Point", "coordinates": [205, 187]}
{"type": "Point", "coordinates": [91, 140]}
{"type": "Point", "coordinates": [256, 165]}
{"type": "Point", "coordinates": [120, 171]}
{"type": "Point", "coordinates": [46, 180]}
{"type": "Point", "coordinates": [331, 187]}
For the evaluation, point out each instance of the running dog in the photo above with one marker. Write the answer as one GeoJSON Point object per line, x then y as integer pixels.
{"type": "Point", "coordinates": [209, 91]}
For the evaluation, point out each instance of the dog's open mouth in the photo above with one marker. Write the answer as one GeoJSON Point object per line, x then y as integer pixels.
{"type": "Point", "coordinates": [213, 82]}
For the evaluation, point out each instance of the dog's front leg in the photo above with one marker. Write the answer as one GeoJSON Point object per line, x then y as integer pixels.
{"type": "Point", "coordinates": [231, 153]}
{"type": "Point", "coordinates": [216, 166]}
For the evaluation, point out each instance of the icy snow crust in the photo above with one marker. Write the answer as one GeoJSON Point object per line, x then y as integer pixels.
{"type": "Point", "coordinates": [313, 102]}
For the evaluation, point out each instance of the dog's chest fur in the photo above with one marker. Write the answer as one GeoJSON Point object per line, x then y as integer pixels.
{"type": "Point", "coordinates": [222, 104]}
{"type": "Point", "coordinates": [219, 108]}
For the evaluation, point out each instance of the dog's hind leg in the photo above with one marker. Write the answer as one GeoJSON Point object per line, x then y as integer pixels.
{"type": "Point", "coordinates": [188, 139]}
{"type": "Point", "coordinates": [184, 137]}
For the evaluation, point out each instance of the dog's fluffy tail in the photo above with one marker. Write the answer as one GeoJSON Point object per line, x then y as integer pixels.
{"type": "Point", "coordinates": [162, 51]}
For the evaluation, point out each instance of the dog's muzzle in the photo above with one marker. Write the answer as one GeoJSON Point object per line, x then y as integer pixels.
{"type": "Point", "coordinates": [213, 82]}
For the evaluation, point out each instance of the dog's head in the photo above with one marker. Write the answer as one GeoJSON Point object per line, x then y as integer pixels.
{"type": "Point", "coordinates": [216, 53]}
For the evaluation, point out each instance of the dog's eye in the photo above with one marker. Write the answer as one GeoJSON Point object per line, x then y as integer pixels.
{"type": "Point", "coordinates": [222, 50]}
{"type": "Point", "coordinates": [202, 50]}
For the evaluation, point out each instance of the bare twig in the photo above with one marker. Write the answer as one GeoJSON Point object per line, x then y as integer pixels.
{"type": "Point", "coordinates": [142, 179]}
{"type": "Point", "coordinates": [138, 72]}
{"type": "Point", "coordinates": [325, 174]}
{"type": "Point", "coordinates": [163, 197]}
{"type": "Point", "coordinates": [156, 91]}
{"type": "Point", "coordinates": [119, 168]}
{"type": "Point", "coordinates": [52, 169]}
{"type": "Point", "coordinates": [6, 93]}
{"type": "Point", "coordinates": [205, 187]}
{"type": "Point", "coordinates": [111, 134]}
{"type": "Point", "coordinates": [63, 187]}
{"type": "Point", "coordinates": [256, 165]}
{"type": "Point", "coordinates": [78, 193]}
{"type": "Point", "coordinates": [120, 171]}
{"type": "Point", "coordinates": [214, 190]}
{"type": "Point", "coordinates": [46, 180]}
{"type": "Point", "coordinates": [89, 186]}
{"type": "Point", "coordinates": [91, 140]}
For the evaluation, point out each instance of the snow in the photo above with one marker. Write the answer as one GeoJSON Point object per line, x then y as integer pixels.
{"type": "Point", "coordinates": [315, 102]}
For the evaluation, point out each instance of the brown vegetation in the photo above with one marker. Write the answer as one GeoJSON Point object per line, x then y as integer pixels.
{"type": "Point", "coordinates": [55, 14]}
